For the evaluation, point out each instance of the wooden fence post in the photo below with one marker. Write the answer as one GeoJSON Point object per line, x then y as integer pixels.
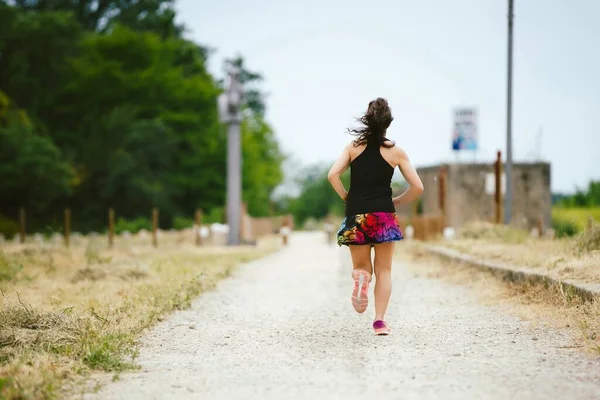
{"type": "Point", "coordinates": [442, 193]}
{"type": "Point", "coordinates": [243, 213]}
{"type": "Point", "coordinates": [413, 219]}
{"type": "Point", "coordinates": [111, 227]}
{"type": "Point", "coordinates": [22, 225]}
{"type": "Point", "coordinates": [154, 227]}
{"type": "Point", "coordinates": [67, 226]}
{"type": "Point", "coordinates": [498, 193]}
{"type": "Point", "coordinates": [414, 209]}
{"type": "Point", "coordinates": [198, 226]}
{"type": "Point", "coordinates": [425, 227]}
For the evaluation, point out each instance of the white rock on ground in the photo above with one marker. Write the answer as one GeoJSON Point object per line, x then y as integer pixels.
{"type": "Point", "coordinates": [283, 328]}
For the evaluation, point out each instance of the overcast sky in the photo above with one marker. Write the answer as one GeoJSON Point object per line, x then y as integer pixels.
{"type": "Point", "coordinates": [323, 61]}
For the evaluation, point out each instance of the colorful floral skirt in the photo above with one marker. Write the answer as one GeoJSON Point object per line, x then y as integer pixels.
{"type": "Point", "coordinates": [371, 228]}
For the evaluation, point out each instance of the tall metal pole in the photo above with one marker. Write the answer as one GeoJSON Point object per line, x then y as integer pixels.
{"type": "Point", "coordinates": [234, 182]}
{"type": "Point", "coordinates": [230, 112]}
{"type": "Point", "coordinates": [509, 193]}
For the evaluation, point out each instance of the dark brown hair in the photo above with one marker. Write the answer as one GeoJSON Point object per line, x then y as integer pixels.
{"type": "Point", "coordinates": [376, 121]}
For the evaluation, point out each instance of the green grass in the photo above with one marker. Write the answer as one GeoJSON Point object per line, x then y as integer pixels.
{"type": "Point", "coordinates": [577, 216]}
{"type": "Point", "coordinates": [8, 268]}
{"type": "Point", "coordinates": [111, 351]}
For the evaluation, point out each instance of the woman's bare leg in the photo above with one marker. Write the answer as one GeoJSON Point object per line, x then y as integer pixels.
{"type": "Point", "coordinates": [361, 257]}
{"type": "Point", "coordinates": [384, 253]}
{"type": "Point", "coordinates": [362, 274]}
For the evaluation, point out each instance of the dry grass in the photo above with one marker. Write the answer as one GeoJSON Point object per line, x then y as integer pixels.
{"type": "Point", "coordinates": [65, 313]}
{"type": "Point", "coordinates": [575, 259]}
{"type": "Point", "coordinates": [589, 240]}
{"type": "Point", "coordinates": [535, 303]}
{"type": "Point", "coordinates": [480, 230]}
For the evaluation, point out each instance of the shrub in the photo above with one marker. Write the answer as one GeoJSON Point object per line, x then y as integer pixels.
{"type": "Point", "coordinates": [564, 227]}
{"type": "Point", "coordinates": [214, 215]}
{"type": "Point", "coordinates": [180, 223]}
{"type": "Point", "coordinates": [8, 226]}
{"type": "Point", "coordinates": [132, 226]}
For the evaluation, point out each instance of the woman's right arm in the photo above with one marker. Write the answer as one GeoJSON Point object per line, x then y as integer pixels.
{"type": "Point", "coordinates": [415, 186]}
{"type": "Point", "coordinates": [336, 171]}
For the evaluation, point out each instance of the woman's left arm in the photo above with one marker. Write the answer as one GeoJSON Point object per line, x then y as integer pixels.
{"type": "Point", "coordinates": [336, 171]}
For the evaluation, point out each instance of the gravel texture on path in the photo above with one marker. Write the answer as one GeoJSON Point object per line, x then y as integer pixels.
{"type": "Point", "coordinates": [283, 328]}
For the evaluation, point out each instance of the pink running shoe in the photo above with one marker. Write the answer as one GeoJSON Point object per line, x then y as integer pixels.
{"type": "Point", "coordinates": [360, 293]}
{"type": "Point", "coordinates": [381, 328]}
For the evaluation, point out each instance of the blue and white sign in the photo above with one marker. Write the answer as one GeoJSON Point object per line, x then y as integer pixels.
{"type": "Point", "coordinates": [464, 130]}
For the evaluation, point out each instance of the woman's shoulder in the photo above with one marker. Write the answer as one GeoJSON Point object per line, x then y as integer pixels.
{"type": "Point", "coordinates": [354, 150]}
{"type": "Point", "coordinates": [398, 150]}
{"type": "Point", "coordinates": [391, 146]}
{"type": "Point", "coordinates": [393, 151]}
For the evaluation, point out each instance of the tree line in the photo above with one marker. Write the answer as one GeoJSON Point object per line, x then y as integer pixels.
{"type": "Point", "coordinates": [104, 103]}
{"type": "Point", "coordinates": [586, 198]}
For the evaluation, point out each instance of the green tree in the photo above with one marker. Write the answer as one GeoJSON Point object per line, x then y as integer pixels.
{"type": "Point", "coordinates": [164, 135]}
{"type": "Point", "coordinates": [317, 199]}
{"type": "Point", "coordinates": [34, 50]}
{"type": "Point", "coordinates": [32, 171]}
{"type": "Point", "coordinates": [157, 16]}
{"type": "Point", "coordinates": [593, 194]}
{"type": "Point", "coordinates": [89, 13]}
{"type": "Point", "coordinates": [103, 104]}
{"type": "Point", "coordinates": [581, 198]}
{"type": "Point", "coordinates": [262, 161]}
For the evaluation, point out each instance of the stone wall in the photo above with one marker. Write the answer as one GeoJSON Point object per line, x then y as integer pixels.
{"type": "Point", "coordinates": [467, 198]}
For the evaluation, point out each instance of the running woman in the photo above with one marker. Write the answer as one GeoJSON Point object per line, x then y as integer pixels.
{"type": "Point", "coordinates": [370, 215]}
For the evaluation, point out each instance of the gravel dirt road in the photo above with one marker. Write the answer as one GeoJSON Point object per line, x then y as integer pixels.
{"type": "Point", "coordinates": [283, 328]}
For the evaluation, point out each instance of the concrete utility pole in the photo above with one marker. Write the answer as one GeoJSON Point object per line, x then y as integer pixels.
{"type": "Point", "coordinates": [230, 113]}
{"type": "Point", "coordinates": [509, 193]}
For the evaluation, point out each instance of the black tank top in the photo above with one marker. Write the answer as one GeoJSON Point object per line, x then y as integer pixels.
{"type": "Point", "coordinates": [370, 183]}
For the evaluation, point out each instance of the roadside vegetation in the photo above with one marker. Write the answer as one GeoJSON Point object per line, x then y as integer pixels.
{"type": "Point", "coordinates": [65, 313]}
